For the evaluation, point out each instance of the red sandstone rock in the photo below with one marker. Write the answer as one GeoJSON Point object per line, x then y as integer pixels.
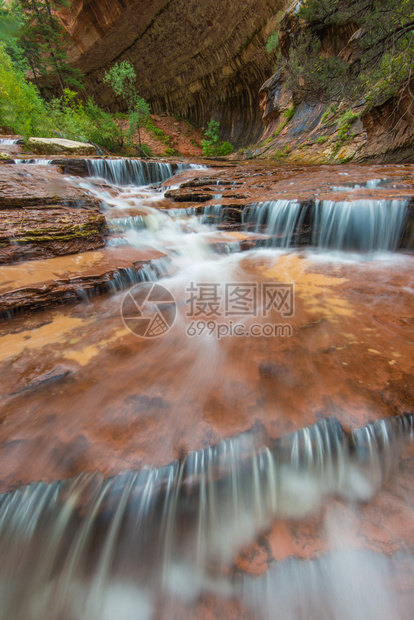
{"type": "Point", "coordinates": [43, 215]}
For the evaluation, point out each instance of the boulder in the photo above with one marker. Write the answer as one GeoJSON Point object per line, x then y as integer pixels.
{"type": "Point", "coordinates": [52, 146]}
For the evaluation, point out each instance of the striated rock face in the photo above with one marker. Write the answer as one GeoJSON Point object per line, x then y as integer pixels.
{"type": "Point", "coordinates": [197, 59]}
{"type": "Point", "coordinates": [314, 132]}
{"type": "Point", "coordinates": [36, 284]}
{"type": "Point", "coordinates": [41, 215]}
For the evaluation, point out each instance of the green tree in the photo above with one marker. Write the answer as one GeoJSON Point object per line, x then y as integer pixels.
{"type": "Point", "coordinates": [122, 79]}
{"type": "Point", "coordinates": [9, 25]}
{"type": "Point", "coordinates": [42, 39]}
{"type": "Point", "coordinates": [212, 145]}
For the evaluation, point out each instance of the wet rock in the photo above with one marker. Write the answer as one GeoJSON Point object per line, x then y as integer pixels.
{"type": "Point", "coordinates": [44, 380]}
{"type": "Point", "coordinates": [75, 167]}
{"type": "Point", "coordinates": [51, 146]}
{"type": "Point", "coordinates": [44, 216]}
{"type": "Point", "coordinates": [36, 284]}
{"type": "Point", "coordinates": [184, 195]}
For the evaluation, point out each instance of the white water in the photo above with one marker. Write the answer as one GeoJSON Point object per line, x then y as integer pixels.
{"type": "Point", "coordinates": [78, 546]}
{"type": "Point", "coordinates": [134, 171]}
{"type": "Point", "coordinates": [34, 162]}
{"type": "Point", "coordinates": [364, 225]}
{"type": "Point", "coordinates": [114, 549]}
{"type": "Point", "coordinates": [8, 141]}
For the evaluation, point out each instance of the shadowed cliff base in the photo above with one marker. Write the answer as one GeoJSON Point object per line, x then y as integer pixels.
{"type": "Point", "coordinates": [199, 59]}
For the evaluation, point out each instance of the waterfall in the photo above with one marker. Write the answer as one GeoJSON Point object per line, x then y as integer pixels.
{"type": "Point", "coordinates": [281, 219]}
{"type": "Point", "coordinates": [134, 171]}
{"type": "Point", "coordinates": [68, 544]}
{"type": "Point", "coordinates": [7, 141]}
{"type": "Point", "coordinates": [35, 162]}
{"type": "Point", "coordinates": [214, 214]}
{"type": "Point", "coordinates": [364, 225]}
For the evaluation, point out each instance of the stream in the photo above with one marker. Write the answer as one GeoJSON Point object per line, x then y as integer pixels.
{"type": "Point", "coordinates": [228, 432]}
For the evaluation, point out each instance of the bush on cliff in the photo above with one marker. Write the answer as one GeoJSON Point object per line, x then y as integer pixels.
{"type": "Point", "coordinates": [382, 58]}
{"type": "Point", "coordinates": [212, 145]}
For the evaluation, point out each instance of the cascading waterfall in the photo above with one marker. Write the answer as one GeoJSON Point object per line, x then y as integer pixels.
{"type": "Point", "coordinates": [8, 141]}
{"type": "Point", "coordinates": [212, 214]}
{"type": "Point", "coordinates": [371, 184]}
{"type": "Point", "coordinates": [364, 225]}
{"type": "Point", "coordinates": [281, 218]}
{"type": "Point", "coordinates": [134, 171]}
{"type": "Point", "coordinates": [35, 161]}
{"type": "Point", "coordinates": [159, 532]}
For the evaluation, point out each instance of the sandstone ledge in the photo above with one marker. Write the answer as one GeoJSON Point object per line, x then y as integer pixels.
{"type": "Point", "coordinates": [44, 216]}
{"type": "Point", "coordinates": [28, 286]}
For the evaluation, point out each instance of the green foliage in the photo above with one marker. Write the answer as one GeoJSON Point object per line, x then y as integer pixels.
{"type": "Point", "coordinates": [122, 78]}
{"type": "Point", "coordinates": [42, 41]}
{"type": "Point", "coordinates": [9, 24]}
{"type": "Point", "coordinates": [212, 145]}
{"type": "Point", "coordinates": [158, 133]}
{"type": "Point", "coordinates": [26, 113]}
{"type": "Point", "coordinates": [322, 140]}
{"type": "Point", "coordinates": [383, 50]}
{"type": "Point", "coordinates": [145, 150]}
{"type": "Point", "coordinates": [279, 154]}
{"type": "Point", "coordinates": [272, 42]}
{"type": "Point", "coordinates": [287, 116]}
{"type": "Point", "coordinates": [21, 106]}
{"type": "Point", "coordinates": [329, 112]}
{"type": "Point", "coordinates": [87, 123]}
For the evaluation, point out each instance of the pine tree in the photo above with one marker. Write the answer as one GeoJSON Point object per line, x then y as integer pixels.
{"type": "Point", "coordinates": [42, 39]}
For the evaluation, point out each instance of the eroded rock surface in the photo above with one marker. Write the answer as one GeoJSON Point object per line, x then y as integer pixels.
{"type": "Point", "coordinates": [44, 215]}
{"type": "Point", "coordinates": [215, 62]}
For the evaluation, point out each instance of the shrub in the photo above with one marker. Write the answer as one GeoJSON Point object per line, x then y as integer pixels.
{"type": "Point", "coordinates": [21, 106]}
{"type": "Point", "coordinates": [212, 145]}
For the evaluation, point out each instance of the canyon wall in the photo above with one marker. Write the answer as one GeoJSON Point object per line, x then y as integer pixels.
{"type": "Point", "coordinates": [197, 59]}
{"type": "Point", "coordinates": [302, 129]}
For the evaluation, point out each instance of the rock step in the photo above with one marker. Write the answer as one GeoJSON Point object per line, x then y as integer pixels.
{"type": "Point", "coordinates": [31, 285]}
{"type": "Point", "coordinates": [42, 215]}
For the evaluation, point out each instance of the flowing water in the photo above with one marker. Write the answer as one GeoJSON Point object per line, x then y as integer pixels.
{"type": "Point", "coordinates": [254, 460]}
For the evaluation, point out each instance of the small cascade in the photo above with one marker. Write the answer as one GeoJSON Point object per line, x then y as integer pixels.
{"type": "Point", "coordinates": [280, 219]}
{"type": "Point", "coordinates": [134, 171]}
{"type": "Point", "coordinates": [8, 141]}
{"type": "Point", "coordinates": [362, 225]}
{"type": "Point", "coordinates": [158, 532]}
{"type": "Point", "coordinates": [35, 161]}
{"type": "Point", "coordinates": [213, 214]}
{"type": "Point", "coordinates": [370, 184]}
{"type": "Point", "coordinates": [135, 222]}
{"type": "Point", "coordinates": [125, 278]}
